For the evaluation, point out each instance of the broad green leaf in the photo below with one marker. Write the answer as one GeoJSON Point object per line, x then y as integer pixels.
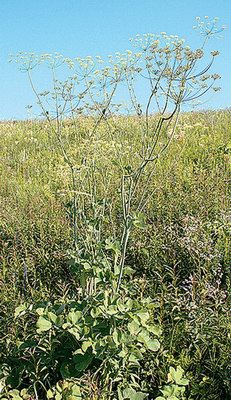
{"type": "Point", "coordinates": [133, 359]}
{"type": "Point", "coordinates": [134, 328]}
{"type": "Point", "coordinates": [139, 220]}
{"type": "Point", "coordinates": [135, 318]}
{"type": "Point", "coordinates": [144, 316]}
{"type": "Point", "coordinates": [68, 370]}
{"type": "Point", "coordinates": [82, 361]}
{"type": "Point", "coordinates": [121, 306]}
{"type": "Point", "coordinates": [140, 396]}
{"type": "Point", "coordinates": [138, 353]}
{"type": "Point", "coordinates": [20, 310]}
{"type": "Point", "coordinates": [28, 344]}
{"type": "Point", "coordinates": [120, 395]}
{"type": "Point", "coordinates": [60, 309]}
{"type": "Point", "coordinates": [131, 394]}
{"type": "Point", "coordinates": [95, 312]}
{"type": "Point", "coordinates": [173, 398]}
{"type": "Point", "coordinates": [129, 304]}
{"type": "Point", "coordinates": [176, 376]}
{"type": "Point", "coordinates": [112, 310]}
{"type": "Point", "coordinates": [86, 345]}
{"type": "Point", "coordinates": [75, 393]}
{"type": "Point", "coordinates": [153, 344]}
{"type": "Point", "coordinates": [43, 325]}
{"type": "Point", "coordinates": [183, 382]}
{"type": "Point", "coordinates": [50, 394]}
{"type": "Point", "coordinates": [167, 391]}
{"type": "Point", "coordinates": [15, 395]}
{"type": "Point", "coordinates": [143, 336]}
{"type": "Point", "coordinates": [52, 317]}
{"type": "Point", "coordinates": [122, 354]}
{"type": "Point", "coordinates": [113, 245]}
{"type": "Point", "coordinates": [40, 310]}
{"type": "Point", "coordinates": [74, 316]}
{"type": "Point", "coordinates": [66, 325]}
{"type": "Point", "coordinates": [155, 329]}
{"type": "Point", "coordinates": [128, 271]}
{"type": "Point", "coordinates": [115, 337]}
{"type": "Point", "coordinates": [86, 266]}
{"type": "Point", "coordinates": [86, 329]}
{"type": "Point", "coordinates": [74, 332]}
{"type": "Point", "coordinates": [116, 269]}
{"type": "Point", "coordinates": [78, 351]}
{"type": "Point", "coordinates": [59, 320]}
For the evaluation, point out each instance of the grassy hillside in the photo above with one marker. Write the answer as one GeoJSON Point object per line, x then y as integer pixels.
{"type": "Point", "coordinates": [178, 261]}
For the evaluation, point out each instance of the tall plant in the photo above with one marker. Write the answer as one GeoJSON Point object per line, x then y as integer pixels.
{"type": "Point", "coordinates": [171, 75]}
{"type": "Point", "coordinates": [103, 329]}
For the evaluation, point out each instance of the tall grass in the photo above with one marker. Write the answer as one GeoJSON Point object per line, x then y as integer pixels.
{"type": "Point", "coordinates": [180, 258]}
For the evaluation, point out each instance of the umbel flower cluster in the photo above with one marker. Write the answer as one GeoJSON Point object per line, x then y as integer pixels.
{"type": "Point", "coordinates": [169, 70]}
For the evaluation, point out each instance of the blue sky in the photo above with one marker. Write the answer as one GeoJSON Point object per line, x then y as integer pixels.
{"type": "Point", "coordinates": [98, 27]}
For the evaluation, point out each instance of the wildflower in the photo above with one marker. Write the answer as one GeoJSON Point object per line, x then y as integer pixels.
{"type": "Point", "coordinates": [215, 53]}
{"type": "Point", "coordinates": [216, 76]}
{"type": "Point", "coordinates": [199, 53]}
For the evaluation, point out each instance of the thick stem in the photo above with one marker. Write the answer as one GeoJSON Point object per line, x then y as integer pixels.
{"type": "Point", "coordinates": [126, 234]}
{"type": "Point", "coordinates": [74, 208]}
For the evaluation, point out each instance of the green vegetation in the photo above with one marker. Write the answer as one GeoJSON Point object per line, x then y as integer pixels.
{"type": "Point", "coordinates": [173, 312]}
{"type": "Point", "coordinates": [115, 251]}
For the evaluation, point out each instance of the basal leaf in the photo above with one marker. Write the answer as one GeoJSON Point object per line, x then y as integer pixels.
{"type": "Point", "coordinates": [82, 361]}
{"type": "Point", "coordinates": [115, 336]}
{"type": "Point", "coordinates": [43, 324]}
{"type": "Point", "coordinates": [131, 394]}
{"type": "Point", "coordinates": [134, 328]}
{"type": "Point", "coordinates": [112, 310]}
{"type": "Point", "coordinates": [144, 316]}
{"type": "Point", "coordinates": [86, 345]}
{"type": "Point", "coordinates": [153, 344]}
{"type": "Point", "coordinates": [68, 370]}
{"type": "Point", "coordinates": [183, 382]}
{"type": "Point", "coordinates": [75, 393]}
{"type": "Point", "coordinates": [52, 317]}
{"type": "Point", "coordinates": [143, 336]}
{"type": "Point", "coordinates": [74, 332]}
{"type": "Point", "coordinates": [74, 316]}
{"type": "Point", "coordinates": [155, 329]}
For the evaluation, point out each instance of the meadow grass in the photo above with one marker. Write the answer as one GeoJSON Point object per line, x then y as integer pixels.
{"type": "Point", "coordinates": [181, 259]}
